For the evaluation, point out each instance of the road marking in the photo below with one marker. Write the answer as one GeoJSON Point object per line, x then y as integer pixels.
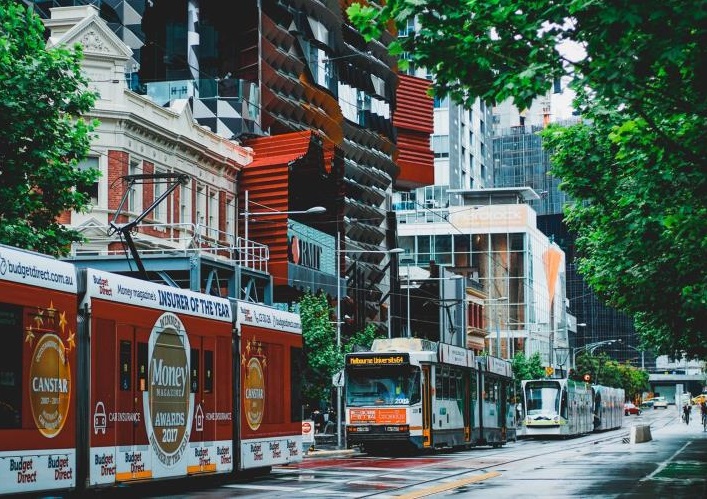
{"type": "Point", "coordinates": [664, 463]}
{"type": "Point", "coordinates": [448, 486]}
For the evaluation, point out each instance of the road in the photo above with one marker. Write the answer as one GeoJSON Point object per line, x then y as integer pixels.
{"type": "Point", "coordinates": [673, 464]}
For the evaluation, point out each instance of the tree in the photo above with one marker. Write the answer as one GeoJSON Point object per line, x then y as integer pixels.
{"type": "Point", "coordinates": [526, 368]}
{"type": "Point", "coordinates": [635, 167]}
{"type": "Point", "coordinates": [43, 137]}
{"type": "Point", "coordinates": [608, 372]}
{"type": "Point", "coordinates": [322, 357]}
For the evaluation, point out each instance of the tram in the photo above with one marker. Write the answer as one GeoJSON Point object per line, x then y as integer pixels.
{"type": "Point", "coordinates": [567, 408]}
{"type": "Point", "coordinates": [410, 394]}
{"type": "Point", "coordinates": [107, 380]}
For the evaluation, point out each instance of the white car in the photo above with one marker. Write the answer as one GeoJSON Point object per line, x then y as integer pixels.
{"type": "Point", "coordinates": [660, 402]}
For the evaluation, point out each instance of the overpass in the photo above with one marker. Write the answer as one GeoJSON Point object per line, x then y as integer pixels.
{"type": "Point", "coordinates": [664, 383]}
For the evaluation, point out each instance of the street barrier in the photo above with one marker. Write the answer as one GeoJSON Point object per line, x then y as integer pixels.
{"type": "Point", "coordinates": [640, 434]}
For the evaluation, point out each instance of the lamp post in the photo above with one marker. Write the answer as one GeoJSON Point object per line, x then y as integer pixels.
{"type": "Point", "coordinates": [247, 214]}
{"type": "Point", "coordinates": [590, 348]}
{"type": "Point", "coordinates": [642, 352]}
{"type": "Point", "coordinates": [339, 252]}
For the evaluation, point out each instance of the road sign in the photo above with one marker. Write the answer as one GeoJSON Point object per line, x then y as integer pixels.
{"type": "Point", "coordinates": [338, 379]}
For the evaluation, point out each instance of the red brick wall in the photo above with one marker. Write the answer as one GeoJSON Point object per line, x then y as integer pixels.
{"type": "Point", "coordinates": [118, 162]}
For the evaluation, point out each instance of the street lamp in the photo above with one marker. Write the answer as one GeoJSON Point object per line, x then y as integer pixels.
{"type": "Point", "coordinates": [391, 251]}
{"type": "Point", "coordinates": [590, 348]}
{"type": "Point", "coordinates": [247, 214]}
{"type": "Point", "coordinates": [642, 352]}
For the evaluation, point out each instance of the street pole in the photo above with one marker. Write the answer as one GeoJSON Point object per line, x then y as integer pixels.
{"type": "Point", "coordinates": [409, 335]}
{"type": "Point", "coordinates": [337, 253]}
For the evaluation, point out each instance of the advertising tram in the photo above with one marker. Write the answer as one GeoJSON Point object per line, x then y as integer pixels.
{"type": "Point", "coordinates": [567, 408]}
{"type": "Point", "coordinates": [106, 380]}
{"type": "Point", "coordinates": [413, 394]}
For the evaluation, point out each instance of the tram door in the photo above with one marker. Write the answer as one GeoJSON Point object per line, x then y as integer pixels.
{"type": "Point", "coordinates": [426, 406]}
{"type": "Point", "coordinates": [132, 345]}
{"type": "Point", "coordinates": [202, 386]}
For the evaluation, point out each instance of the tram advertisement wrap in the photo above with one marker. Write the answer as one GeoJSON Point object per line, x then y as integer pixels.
{"type": "Point", "coordinates": [52, 469]}
{"type": "Point", "coordinates": [270, 451]}
{"type": "Point", "coordinates": [168, 403]}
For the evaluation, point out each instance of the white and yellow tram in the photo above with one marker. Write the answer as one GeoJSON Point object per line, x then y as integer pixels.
{"type": "Point", "coordinates": [411, 393]}
{"type": "Point", "coordinates": [565, 408]}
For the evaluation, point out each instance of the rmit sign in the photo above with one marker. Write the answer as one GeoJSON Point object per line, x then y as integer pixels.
{"type": "Point", "coordinates": [305, 253]}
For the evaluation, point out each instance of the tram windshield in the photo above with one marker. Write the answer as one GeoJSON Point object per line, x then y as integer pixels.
{"type": "Point", "coordinates": [398, 385]}
{"type": "Point", "coordinates": [542, 397]}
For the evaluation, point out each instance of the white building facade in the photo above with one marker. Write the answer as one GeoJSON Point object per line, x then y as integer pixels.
{"type": "Point", "coordinates": [521, 272]}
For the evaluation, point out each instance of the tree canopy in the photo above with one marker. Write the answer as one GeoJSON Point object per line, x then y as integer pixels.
{"type": "Point", "coordinates": [43, 137]}
{"type": "Point", "coordinates": [634, 167]}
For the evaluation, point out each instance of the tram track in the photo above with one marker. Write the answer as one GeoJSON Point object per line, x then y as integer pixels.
{"type": "Point", "coordinates": [475, 465]}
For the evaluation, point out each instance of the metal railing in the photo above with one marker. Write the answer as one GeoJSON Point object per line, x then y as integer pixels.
{"type": "Point", "coordinates": [181, 239]}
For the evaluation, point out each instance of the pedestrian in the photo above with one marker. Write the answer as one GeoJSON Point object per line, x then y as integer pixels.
{"type": "Point", "coordinates": [686, 409]}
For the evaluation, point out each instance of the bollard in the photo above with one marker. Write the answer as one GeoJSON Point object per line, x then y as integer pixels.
{"type": "Point", "coordinates": [640, 434]}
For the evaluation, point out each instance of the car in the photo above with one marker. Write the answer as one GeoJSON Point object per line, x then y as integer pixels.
{"type": "Point", "coordinates": [699, 399]}
{"type": "Point", "coordinates": [630, 408]}
{"type": "Point", "coordinates": [647, 404]}
{"type": "Point", "coordinates": [660, 402]}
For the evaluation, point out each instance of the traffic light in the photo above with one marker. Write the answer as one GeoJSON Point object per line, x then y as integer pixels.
{"type": "Point", "coordinates": [587, 377]}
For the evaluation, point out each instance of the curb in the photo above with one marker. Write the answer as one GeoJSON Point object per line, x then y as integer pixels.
{"type": "Point", "coordinates": [329, 453]}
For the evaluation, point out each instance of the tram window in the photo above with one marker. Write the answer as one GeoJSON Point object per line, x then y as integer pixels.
{"type": "Point", "coordinates": [415, 387]}
{"type": "Point", "coordinates": [11, 367]}
{"type": "Point", "coordinates": [194, 370]}
{"type": "Point", "coordinates": [563, 404]}
{"type": "Point", "coordinates": [445, 383]}
{"type": "Point", "coordinates": [453, 385]}
{"type": "Point", "coordinates": [142, 367]}
{"type": "Point", "coordinates": [472, 385]}
{"type": "Point", "coordinates": [439, 382]}
{"type": "Point", "coordinates": [126, 362]}
{"type": "Point", "coordinates": [208, 371]}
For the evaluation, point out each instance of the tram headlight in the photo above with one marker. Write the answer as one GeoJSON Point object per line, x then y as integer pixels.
{"type": "Point", "coordinates": [556, 419]}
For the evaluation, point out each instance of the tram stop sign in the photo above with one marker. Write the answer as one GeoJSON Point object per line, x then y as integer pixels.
{"type": "Point", "coordinates": [338, 379]}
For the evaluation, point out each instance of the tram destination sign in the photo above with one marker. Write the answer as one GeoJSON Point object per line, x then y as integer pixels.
{"type": "Point", "coordinates": [378, 359]}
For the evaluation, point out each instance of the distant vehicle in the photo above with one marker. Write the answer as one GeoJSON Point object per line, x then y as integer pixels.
{"type": "Point", "coordinates": [647, 404]}
{"type": "Point", "coordinates": [660, 402]}
{"type": "Point", "coordinates": [630, 408]}
{"type": "Point", "coordinates": [699, 399]}
{"type": "Point", "coordinates": [568, 408]}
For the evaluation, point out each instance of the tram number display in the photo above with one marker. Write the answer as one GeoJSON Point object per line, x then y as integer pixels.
{"type": "Point", "coordinates": [396, 359]}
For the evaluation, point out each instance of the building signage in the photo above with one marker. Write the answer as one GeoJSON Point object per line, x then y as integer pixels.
{"type": "Point", "coordinates": [311, 248]}
{"type": "Point", "coordinates": [500, 217]}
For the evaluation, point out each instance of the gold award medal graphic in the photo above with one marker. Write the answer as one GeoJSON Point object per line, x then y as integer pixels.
{"type": "Point", "coordinates": [254, 393]}
{"type": "Point", "coordinates": [168, 401]}
{"type": "Point", "coordinates": [49, 385]}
